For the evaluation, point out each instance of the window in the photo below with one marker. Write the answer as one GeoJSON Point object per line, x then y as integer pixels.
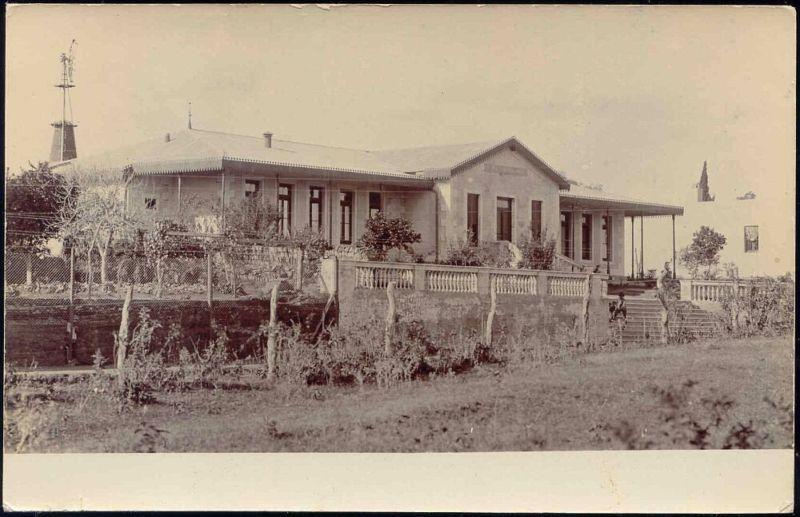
{"type": "Point", "coordinates": [252, 188]}
{"type": "Point", "coordinates": [150, 203]}
{"type": "Point", "coordinates": [504, 205]}
{"type": "Point", "coordinates": [346, 217]}
{"type": "Point", "coordinates": [315, 208]}
{"type": "Point", "coordinates": [472, 217]}
{"type": "Point", "coordinates": [586, 236]}
{"type": "Point", "coordinates": [375, 204]}
{"type": "Point", "coordinates": [609, 243]}
{"type": "Point", "coordinates": [750, 239]}
{"type": "Point", "coordinates": [566, 234]}
{"type": "Point", "coordinates": [536, 220]}
{"type": "Point", "coordinates": [285, 209]}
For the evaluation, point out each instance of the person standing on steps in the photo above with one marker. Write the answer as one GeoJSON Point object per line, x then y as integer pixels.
{"type": "Point", "coordinates": [664, 282]}
{"type": "Point", "coordinates": [620, 309]}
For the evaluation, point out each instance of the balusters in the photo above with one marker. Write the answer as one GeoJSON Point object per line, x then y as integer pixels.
{"type": "Point", "coordinates": [515, 283]}
{"type": "Point", "coordinates": [452, 281]}
{"type": "Point", "coordinates": [379, 278]}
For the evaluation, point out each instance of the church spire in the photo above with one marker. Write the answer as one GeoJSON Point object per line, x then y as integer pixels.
{"type": "Point", "coordinates": [702, 187]}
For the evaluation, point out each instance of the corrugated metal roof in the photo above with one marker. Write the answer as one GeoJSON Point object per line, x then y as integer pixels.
{"type": "Point", "coordinates": [579, 192]}
{"type": "Point", "coordinates": [192, 150]}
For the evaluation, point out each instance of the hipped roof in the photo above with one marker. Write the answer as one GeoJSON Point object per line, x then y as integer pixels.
{"type": "Point", "coordinates": [201, 151]}
{"type": "Point", "coordinates": [193, 150]}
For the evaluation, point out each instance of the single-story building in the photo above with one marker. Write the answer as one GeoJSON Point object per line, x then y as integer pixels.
{"type": "Point", "coordinates": [494, 190]}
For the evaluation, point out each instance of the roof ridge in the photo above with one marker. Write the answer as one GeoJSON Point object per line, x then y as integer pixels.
{"type": "Point", "coordinates": [279, 140]}
{"type": "Point", "coordinates": [488, 143]}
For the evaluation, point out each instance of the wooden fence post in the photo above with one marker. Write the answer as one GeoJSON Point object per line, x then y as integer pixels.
{"type": "Point", "coordinates": [492, 310]}
{"type": "Point", "coordinates": [71, 276]}
{"type": "Point", "coordinates": [89, 274]}
{"type": "Point", "coordinates": [71, 331]}
{"type": "Point", "coordinates": [272, 351]}
{"type": "Point", "coordinates": [298, 281]}
{"type": "Point", "coordinates": [122, 335]}
{"type": "Point", "coordinates": [208, 278]}
{"type": "Point", "coordinates": [391, 317]}
{"type": "Point", "coordinates": [587, 296]}
{"type": "Point", "coordinates": [735, 305]}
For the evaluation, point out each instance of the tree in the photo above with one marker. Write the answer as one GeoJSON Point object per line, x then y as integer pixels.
{"type": "Point", "coordinates": [703, 251]}
{"type": "Point", "coordinates": [250, 218]}
{"type": "Point", "coordinates": [383, 233]}
{"type": "Point", "coordinates": [92, 214]}
{"type": "Point", "coordinates": [32, 206]}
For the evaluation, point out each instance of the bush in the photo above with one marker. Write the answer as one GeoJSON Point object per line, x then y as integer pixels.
{"type": "Point", "coordinates": [486, 253]}
{"type": "Point", "coordinates": [765, 306]}
{"type": "Point", "coordinates": [538, 253]}
{"type": "Point", "coordinates": [382, 234]}
{"type": "Point", "coordinates": [143, 370]}
{"type": "Point", "coordinates": [314, 246]}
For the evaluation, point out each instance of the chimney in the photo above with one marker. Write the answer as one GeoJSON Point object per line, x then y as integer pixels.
{"type": "Point", "coordinates": [268, 140]}
{"type": "Point", "coordinates": [167, 138]}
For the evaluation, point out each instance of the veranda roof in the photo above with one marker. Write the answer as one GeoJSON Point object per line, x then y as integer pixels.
{"type": "Point", "coordinates": [582, 196]}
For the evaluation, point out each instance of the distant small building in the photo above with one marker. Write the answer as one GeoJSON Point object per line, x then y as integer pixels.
{"type": "Point", "coordinates": [759, 233]}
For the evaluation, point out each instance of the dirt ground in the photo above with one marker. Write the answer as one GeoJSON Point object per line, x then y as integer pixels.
{"type": "Point", "coordinates": [713, 394]}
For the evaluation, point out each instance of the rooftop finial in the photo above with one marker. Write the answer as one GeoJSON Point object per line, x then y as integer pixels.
{"type": "Point", "coordinates": [190, 114]}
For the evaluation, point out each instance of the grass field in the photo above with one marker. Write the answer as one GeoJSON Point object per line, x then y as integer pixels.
{"type": "Point", "coordinates": [713, 394]}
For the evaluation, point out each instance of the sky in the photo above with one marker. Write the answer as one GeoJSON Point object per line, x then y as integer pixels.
{"type": "Point", "coordinates": [633, 98]}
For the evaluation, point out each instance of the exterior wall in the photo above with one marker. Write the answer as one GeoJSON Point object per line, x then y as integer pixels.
{"type": "Point", "coordinates": [420, 208]}
{"type": "Point", "coordinates": [462, 311]}
{"type": "Point", "coordinates": [503, 174]}
{"type": "Point", "coordinates": [776, 232]}
{"type": "Point", "coordinates": [445, 233]}
{"type": "Point", "coordinates": [201, 196]}
{"type": "Point", "coordinates": [773, 211]}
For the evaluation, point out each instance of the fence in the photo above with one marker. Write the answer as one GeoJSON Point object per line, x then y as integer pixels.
{"type": "Point", "coordinates": [62, 310]}
{"type": "Point", "coordinates": [714, 291]}
{"type": "Point", "coordinates": [459, 279]}
{"type": "Point", "coordinates": [237, 272]}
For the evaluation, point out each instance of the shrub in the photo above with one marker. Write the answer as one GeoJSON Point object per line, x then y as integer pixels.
{"type": "Point", "coordinates": [766, 305]}
{"type": "Point", "coordinates": [538, 253]}
{"type": "Point", "coordinates": [486, 253]}
{"type": "Point", "coordinates": [314, 246]}
{"type": "Point", "coordinates": [143, 370]}
{"type": "Point", "coordinates": [383, 233]}
{"type": "Point", "coordinates": [251, 218]}
{"type": "Point", "coordinates": [462, 252]}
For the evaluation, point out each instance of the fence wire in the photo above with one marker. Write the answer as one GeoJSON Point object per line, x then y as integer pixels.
{"type": "Point", "coordinates": [240, 272]}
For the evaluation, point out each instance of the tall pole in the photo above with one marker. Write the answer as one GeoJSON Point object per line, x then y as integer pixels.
{"type": "Point", "coordinates": [641, 244]}
{"type": "Point", "coordinates": [63, 102]}
{"type": "Point", "coordinates": [633, 248]}
{"type": "Point", "coordinates": [608, 244]}
{"type": "Point", "coordinates": [222, 198]}
{"type": "Point", "coordinates": [674, 271]}
{"type": "Point", "coordinates": [180, 200]}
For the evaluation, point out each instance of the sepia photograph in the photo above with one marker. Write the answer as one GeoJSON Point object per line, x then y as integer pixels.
{"type": "Point", "coordinates": [386, 229]}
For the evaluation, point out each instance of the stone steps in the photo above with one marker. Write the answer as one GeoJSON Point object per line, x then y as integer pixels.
{"type": "Point", "coordinates": [644, 319]}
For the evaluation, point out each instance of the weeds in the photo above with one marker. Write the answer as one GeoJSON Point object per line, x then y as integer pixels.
{"type": "Point", "coordinates": [685, 419]}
